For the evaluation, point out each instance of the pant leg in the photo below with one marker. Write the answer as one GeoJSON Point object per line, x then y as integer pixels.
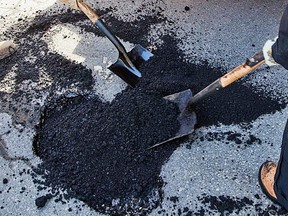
{"type": "Point", "coordinates": [280, 48]}
{"type": "Point", "coordinates": [281, 177]}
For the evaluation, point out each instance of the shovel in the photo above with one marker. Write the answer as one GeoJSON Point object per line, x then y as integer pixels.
{"type": "Point", "coordinates": [126, 65]}
{"type": "Point", "coordinates": [185, 101]}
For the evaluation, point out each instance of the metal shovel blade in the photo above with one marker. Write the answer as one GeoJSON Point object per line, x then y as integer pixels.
{"type": "Point", "coordinates": [127, 63]}
{"type": "Point", "coordinates": [187, 119]}
{"type": "Point", "coordinates": [127, 72]}
{"type": "Point", "coordinates": [139, 54]}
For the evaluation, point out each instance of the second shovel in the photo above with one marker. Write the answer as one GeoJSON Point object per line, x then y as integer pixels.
{"type": "Point", "coordinates": [126, 65]}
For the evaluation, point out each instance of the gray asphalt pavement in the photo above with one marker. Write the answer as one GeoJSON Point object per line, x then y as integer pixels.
{"type": "Point", "coordinates": [224, 33]}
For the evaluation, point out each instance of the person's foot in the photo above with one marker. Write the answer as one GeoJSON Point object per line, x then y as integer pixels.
{"type": "Point", "coordinates": [266, 179]}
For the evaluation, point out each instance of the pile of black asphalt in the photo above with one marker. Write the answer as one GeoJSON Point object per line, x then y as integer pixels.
{"type": "Point", "coordinates": [96, 151]}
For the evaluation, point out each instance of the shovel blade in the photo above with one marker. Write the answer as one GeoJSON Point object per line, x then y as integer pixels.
{"type": "Point", "coordinates": [139, 54]}
{"type": "Point", "coordinates": [126, 65]}
{"type": "Point", "coordinates": [187, 119]}
{"type": "Point", "coordinates": [126, 72]}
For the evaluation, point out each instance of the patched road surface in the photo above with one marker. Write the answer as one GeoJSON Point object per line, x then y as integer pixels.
{"type": "Point", "coordinates": [74, 137]}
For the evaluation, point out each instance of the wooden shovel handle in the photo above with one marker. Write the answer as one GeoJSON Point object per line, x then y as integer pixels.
{"type": "Point", "coordinates": [230, 77]}
{"type": "Point", "coordinates": [87, 10]}
{"type": "Point", "coordinates": [242, 70]}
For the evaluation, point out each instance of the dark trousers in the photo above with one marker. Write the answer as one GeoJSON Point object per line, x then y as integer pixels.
{"type": "Point", "coordinates": [280, 48]}
{"type": "Point", "coordinates": [281, 177]}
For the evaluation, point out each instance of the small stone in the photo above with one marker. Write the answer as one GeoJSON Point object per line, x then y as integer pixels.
{"type": "Point", "coordinates": [7, 48]}
{"type": "Point", "coordinates": [187, 8]}
{"type": "Point", "coordinates": [41, 201]}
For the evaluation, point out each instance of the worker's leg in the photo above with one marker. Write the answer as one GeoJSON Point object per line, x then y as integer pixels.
{"type": "Point", "coordinates": [281, 177]}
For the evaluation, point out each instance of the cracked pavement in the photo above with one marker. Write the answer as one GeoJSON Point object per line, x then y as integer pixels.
{"type": "Point", "coordinates": [210, 165]}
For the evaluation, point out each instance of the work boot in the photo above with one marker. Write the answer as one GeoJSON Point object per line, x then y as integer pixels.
{"type": "Point", "coordinates": [7, 48]}
{"type": "Point", "coordinates": [266, 179]}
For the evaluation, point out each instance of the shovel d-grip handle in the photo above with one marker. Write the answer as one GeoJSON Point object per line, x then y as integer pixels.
{"type": "Point", "coordinates": [232, 76]}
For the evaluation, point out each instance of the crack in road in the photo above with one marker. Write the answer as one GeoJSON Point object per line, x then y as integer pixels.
{"type": "Point", "coordinates": [4, 153]}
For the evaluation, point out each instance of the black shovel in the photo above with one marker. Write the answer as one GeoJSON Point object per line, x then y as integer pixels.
{"type": "Point", "coordinates": [185, 101]}
{"type": "Point", "coordinates": [126, 65]}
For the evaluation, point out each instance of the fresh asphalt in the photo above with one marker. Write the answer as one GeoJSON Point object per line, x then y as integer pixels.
{"type": "Point", "coordinates": [220, 32]}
